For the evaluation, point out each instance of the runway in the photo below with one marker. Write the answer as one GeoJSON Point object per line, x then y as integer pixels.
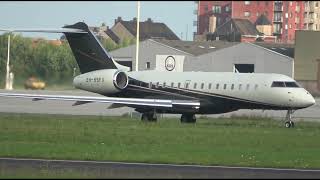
{"type": "Point", "coordinates": [16, 105]}
{"type": "Point", "coordinates": [103, 169]}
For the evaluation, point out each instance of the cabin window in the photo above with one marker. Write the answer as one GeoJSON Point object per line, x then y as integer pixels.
{"type": "Point", "coordinates": [217, 86]}
{"type": "Point", "coordinates": [210, 85]}
{"type": "Point", "coordinates": [195, 86]}
{"type": "Point", "coordinates": [232, 86]}
{"type": "Point", "coordinates": [248, 86]}
{"type": "Point", "coordinates": [202, 85]}
{"type": "Point", "coordinates": [240, 86]}
{"type": "Point", "coordinates": [172, 84]}
{"type": "Point", "coordinates": [187, 85]}
{"type": "Point", "coordinates": [225, 86]}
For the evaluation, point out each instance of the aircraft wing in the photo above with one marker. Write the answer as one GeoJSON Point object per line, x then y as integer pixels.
{"type": "Point", "coordinates": [115, 100]}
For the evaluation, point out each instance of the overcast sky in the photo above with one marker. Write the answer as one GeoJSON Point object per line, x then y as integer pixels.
{"type": "Point", "coordinates": [177, 15]}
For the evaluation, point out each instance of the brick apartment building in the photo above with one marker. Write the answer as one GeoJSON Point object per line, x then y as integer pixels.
{"type": "Point", "coordinates": [285, 16]}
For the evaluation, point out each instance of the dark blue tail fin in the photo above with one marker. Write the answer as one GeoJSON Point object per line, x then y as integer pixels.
{"type": "Point", "coordinates": [87, 49]}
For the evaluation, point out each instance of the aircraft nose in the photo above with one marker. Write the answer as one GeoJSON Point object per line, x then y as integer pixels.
{"type": "Point", "coordinates": [310, 100]}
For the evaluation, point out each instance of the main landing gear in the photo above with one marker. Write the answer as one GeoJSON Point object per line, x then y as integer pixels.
{"type": "Point", "coordinates": [149, 116]}
{"type": "Point", "coordinates": [289, 123]}
{"type": "Point", "coordinates": [188, 118]}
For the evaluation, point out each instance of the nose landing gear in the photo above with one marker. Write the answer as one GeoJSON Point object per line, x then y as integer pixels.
{"type": "Point", "coordinates": [289, 123]}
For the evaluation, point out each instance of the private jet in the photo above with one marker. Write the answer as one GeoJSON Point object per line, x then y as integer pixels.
{"type": "Point", "coordinates": [187, 93]}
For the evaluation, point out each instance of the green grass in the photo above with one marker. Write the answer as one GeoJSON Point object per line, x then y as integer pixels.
{"type": "Point", "coordinates": [234, 142]}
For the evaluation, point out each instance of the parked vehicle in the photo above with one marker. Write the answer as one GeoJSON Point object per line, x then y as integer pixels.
{"type": "Point", "coordinates": [34, 83]}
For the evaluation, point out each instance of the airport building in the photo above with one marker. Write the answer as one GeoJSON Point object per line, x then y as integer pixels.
{"type": "Point", "coordinates": [209, 56]}
{"type": "Point", "coordinates": [307, 60]}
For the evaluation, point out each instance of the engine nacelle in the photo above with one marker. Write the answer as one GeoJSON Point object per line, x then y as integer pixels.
{"type": "Point", "coordinates": [106, 81]}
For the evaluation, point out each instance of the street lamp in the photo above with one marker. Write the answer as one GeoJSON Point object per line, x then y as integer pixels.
{"type": "Point", "coordinates": [9, 75]}
{"type": "Point", "coordinates": [8, 68]}
{"type": "Point", "coordinates": [137, 40]}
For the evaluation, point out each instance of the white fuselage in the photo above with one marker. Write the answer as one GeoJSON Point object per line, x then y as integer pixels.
{"type": "Point", "coordinates": [241, 87]}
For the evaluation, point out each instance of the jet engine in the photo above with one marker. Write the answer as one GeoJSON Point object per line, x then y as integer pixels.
{"type": "Point", "coordinates": [106, 81]}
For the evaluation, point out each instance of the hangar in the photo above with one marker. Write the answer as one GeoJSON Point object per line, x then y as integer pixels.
{"type": "Point", "coordinates": [209, 56]}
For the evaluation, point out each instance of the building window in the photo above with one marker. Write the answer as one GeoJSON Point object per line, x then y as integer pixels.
{"type": "Point", "coordinates": [256, 87]}
{"type": "Point", "coordinates": [216, 9]}
{"type": "Point", "coordinates": [210, 85]}
{"type": "Point", "coordinates": [172, 84]}
{"type": "Point", "coordinates": [157, 84]}
{"type": "Point", "coordinates": [187, 85]}
{"type": "Point", "coordinates": [240, 86]}
{"type": "Point", "coordinates": [247, 2]}
{"type": "Point", "coordinates": [316, 4]}
{"type": "Point", "coordinates": [217, 86]}
{"type": "Point", "coordinates": [232, 86]}
{"type": "Point", "coordinates": [206, 8]}
{"type": "Point", "coordinates": [247, 14]}
{"type": "Point", "coordinates": [225, 86]}
{"type": "Point", "coordinates": [257, 14]}
{"type": "Point", "coordinates": [286, 26]}
{"type": "Point", "coordinates": [290, 14]}
{"type": "Point", "coordinates": [290, 26]}
{"type": "Point", "coordinates": [267, 3]}
{"type": "Point", "coordinates": [148, 65]}
{"type": "Point", "coordinates": [227, 9]}
{"type": "Point", "coordinates": [179, 85]}
{"type": "Point", "coordinates": [248, 86]}
{"type": "Point", "coordinates": [290, 3]}
{"type": "Point", "coordinates": [164, 84]}
{"type": "Point", "coordinates": [195, 86]}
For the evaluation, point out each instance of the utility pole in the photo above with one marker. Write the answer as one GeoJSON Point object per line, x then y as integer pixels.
{"type": "Point", "coordinates": [8, 68]}
{"type": "Point", "coordinates": [137, 40]}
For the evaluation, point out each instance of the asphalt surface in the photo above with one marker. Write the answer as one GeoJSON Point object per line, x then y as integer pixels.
{"type": "Point", "coordinates": [16, 105]}
{"type": "Point", "coordinates": [100, 169]}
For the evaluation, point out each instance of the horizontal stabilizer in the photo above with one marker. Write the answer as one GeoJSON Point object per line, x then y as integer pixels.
{"type": "Point", "coordinates": [58, 30]}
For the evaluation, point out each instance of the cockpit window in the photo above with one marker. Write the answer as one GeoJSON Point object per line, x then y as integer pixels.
{"type": "Point", "coordinates": [284, 84]}
{"type": "Point", "coordinates": [291, 84]}
{"type": "Point", "coordinates": [278, 84]}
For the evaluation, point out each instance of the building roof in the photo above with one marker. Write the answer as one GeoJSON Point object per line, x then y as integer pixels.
{"type": "Point", "coordinates": [112, 35]}
{"type": "Point", "coordinates": [284, 49]}
{"type": "Point", "coordinates": [245, 27]}
{"type": "Point", "coordinates": [262, 20]}
{"type": "Point", "coordinates": [150, 29]}
{"type": "Point", "coordinates": [196, 48]}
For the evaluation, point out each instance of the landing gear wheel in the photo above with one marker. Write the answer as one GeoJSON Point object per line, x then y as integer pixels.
{"type": "Point", "coordinates": [292, 124]}
{"type": "Point", "coordinates": [149, 117]}
{"type": "Point", "coordinates": [188, 118]}
{"type": "Point", "coordinates": [287, 124]}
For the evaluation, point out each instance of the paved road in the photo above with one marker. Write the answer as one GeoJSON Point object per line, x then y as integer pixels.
{"type": "Point", "coordinates": [63, 107]}
{"type": "Point", "coordinates": [100, 169]}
